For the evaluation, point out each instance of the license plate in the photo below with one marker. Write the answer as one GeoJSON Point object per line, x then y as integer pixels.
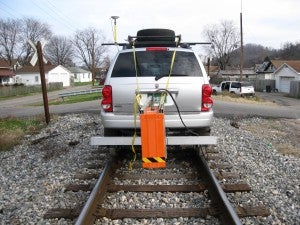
{"type": "Point", "coordinates": [155, 97]}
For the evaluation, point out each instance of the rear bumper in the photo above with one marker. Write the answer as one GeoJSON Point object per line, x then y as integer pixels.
{"type": "Point", "coordinates": [203, 119]}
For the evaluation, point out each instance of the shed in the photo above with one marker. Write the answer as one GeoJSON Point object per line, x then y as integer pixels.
{"type": "Point", "coordinates": [80, 75]}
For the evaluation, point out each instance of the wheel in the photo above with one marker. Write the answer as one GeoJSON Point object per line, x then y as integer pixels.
{"type": "Point", "coordinates": [215, 92]}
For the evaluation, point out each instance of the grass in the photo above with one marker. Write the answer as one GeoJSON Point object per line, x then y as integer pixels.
{"type": "Point", "coordinates": [76, 84]}
{"type": "Point", "coordinates": [13, 130]}
{"type": "Point", "coordinates": [76, 99]}
{"type": "Point", "coordinates": [231, 97]}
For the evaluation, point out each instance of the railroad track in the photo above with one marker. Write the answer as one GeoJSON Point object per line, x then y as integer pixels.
{"type": "Point", "coordinates": [187, 173]}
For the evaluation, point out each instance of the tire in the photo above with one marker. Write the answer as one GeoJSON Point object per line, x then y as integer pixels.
{"type": "Point", "coordinates": [169, 35]}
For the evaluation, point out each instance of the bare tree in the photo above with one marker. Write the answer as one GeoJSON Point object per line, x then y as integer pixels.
{"type": "Point", "coordinates": [9, 39]}
{"type": "Point", "coordinates": [225, 39]}
{"type": "Point", "coordinates": [88, 48]}
{"type": "Point", "coordinates": [35, 31]}
{"type": "Point", "coordinates": [14, 34]}
{"type": "Point", "coordinates": [60, 51]}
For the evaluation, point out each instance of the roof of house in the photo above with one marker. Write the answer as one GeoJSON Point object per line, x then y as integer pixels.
{"type": "Point", "coordinates": [6, 73]}
{"type": "Point", "coordinates": [77, 70]}
{"type": "Point", "coordinates": [269, 66]}
{"type": "Point", "coordinates": [4, 64]}
{"type": "Point", "coordinates": [295, 64]}
{"type": "Point", "coordinates": [232, 72]}
{"type": "Point", "coordinates": [34, 69]}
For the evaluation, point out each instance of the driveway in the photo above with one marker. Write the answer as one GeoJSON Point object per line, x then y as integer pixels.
{"type": "Point", "coordinates": [279, 98]}
{"type": "Point", "coordinates": [18, 107]}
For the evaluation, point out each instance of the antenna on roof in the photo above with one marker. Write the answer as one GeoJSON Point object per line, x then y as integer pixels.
{"type": "Point", "coordinates": [115, 27]}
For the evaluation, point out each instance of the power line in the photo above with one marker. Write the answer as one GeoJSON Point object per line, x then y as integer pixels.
{"type": "Point", "coordinates": [56, 11]}
{"type": "Point", "coordinates": [13, 13]}
{"type": "Point", "coordinates": [52, 17]}
{"type": "Point", "coordinates": [61, 13]}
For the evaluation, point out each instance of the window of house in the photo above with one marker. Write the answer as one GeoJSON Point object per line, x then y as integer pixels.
{"type": "Point", "coordinates": [36, 78]}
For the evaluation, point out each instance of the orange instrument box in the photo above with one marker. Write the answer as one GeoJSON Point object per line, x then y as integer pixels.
{"type": "Point", "coordinates": [153, 137]}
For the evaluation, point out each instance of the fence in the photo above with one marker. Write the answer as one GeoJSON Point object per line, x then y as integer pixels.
{"type": "Point", "coordinates": [295, 89]}
{"type": "Point", "coordinates": [12, 90]}
{"type": "Point", "coordinates": [264, 85]}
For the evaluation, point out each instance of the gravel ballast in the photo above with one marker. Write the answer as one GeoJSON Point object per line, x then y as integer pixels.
{"type": "Point", "coordinates": [264, 152]}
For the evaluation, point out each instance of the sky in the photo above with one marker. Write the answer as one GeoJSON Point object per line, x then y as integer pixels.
{"type": "Point", "coordinates": [270, 23]}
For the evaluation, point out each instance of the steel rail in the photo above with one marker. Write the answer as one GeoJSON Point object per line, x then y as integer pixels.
{"type": "Point", "coordinates": [86, 217]}
{"type": "Point", "coordinates": [218, 196]}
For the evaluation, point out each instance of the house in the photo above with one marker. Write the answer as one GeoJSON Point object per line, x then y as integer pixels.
{"type": "Point", "coordinates": [266, 69]}
{"type": "Point", "coordinates": [80, 75]}
{"type": "Point", "coordinates": [282, 71]}
{"type": "Point", "coordinates": [30, 75]}
{"type": "Point", "coordinates": [7, 76]}
{"type": "Point", "coordinates": [286, 73]}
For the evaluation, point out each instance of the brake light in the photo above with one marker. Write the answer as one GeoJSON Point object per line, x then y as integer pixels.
{"type": "Point", "coordinates": [207, 101]}
{"type": "Point", "coordinates": [106, 102]}
{"type": "Point", "coordinates": [156, 49]}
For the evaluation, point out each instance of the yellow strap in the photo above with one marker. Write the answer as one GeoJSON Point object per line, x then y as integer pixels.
{"type": "Point", "coordinates": [137, 101]}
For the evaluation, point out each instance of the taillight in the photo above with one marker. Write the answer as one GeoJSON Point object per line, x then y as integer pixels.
{"type": "Point", "coordinates": [207, 101]}
{"type": "Point", "coordinates": [106, 102]}
{"type": "Point", "coordinates": [156, 49]}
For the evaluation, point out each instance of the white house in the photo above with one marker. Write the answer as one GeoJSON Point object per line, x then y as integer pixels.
{"type": "Point", "coordinates": [30, 75]}
{"type": "Point", "coordinates": [286, 73]}
{"type": "Point", "coordinates": [80, 75]}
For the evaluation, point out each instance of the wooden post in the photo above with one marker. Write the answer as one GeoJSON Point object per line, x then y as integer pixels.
{"type": "Point", "coordinates": [242, 48]}
{"type": "Point", "coordinates": [43, 81]}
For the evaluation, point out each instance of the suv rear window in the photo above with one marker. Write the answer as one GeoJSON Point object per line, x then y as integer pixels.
{"type": "Point", "coordinates": [156, 63]}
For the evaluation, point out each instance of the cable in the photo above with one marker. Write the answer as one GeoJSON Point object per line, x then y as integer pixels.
{"type": "Point", "coordinates": [14, 14]}
{"type": "Point", "coordinates": [179, 113]}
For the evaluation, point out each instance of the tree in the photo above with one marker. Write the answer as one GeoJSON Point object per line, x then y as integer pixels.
{"type": "Point", "coordinates": [35, 31]}
{"type": "Point", "coordinates": [225, 39]}
{"type": "Point", "coordinates": [10, 39]}
{"type": "Point", "coordinates": [59, 51]}
{"type": "Point", "coordinates": [88, 48]}
{"type": "Point", "coordinates": [290, 51]}
{"type": "Point", "coordinates": [14, 34]}
{"type": "Point", "coordinates": [253, 54]}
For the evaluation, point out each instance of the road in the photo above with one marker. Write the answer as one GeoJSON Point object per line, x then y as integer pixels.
{"type": "Point", "coordinates": [286, 108]}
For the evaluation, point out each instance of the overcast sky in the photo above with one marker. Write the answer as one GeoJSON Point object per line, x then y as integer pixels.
{"type": "Point", "coordinates": [270, 23]}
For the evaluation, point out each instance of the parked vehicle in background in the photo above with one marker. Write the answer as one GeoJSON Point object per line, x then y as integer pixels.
{"type": "Point", "coordinates": [235, 87]}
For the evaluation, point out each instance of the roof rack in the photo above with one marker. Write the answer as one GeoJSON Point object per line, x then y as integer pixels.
{"type": "Point", "coordinates": [155, 38]}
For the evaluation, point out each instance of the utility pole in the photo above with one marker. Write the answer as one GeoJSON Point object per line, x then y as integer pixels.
{"type": "Point", "coordinates": [242, 46]}
{"type": "Point", "coordinates": [43, 80]}
{"type": "Point", "coordinates": [93, 59]}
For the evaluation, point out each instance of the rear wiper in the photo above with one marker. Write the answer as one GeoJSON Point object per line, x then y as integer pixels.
{"type": "Point", "coordinates": [157, 77]}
